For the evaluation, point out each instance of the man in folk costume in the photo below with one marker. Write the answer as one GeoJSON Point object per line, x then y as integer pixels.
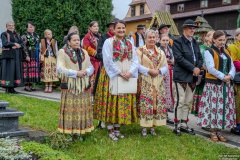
{"type": "Point", "coordinates": [109, 34]}
{"type": "Point", "coordinates": [188, 61]}
{"type": "Point", "coordinates": [138, 38]}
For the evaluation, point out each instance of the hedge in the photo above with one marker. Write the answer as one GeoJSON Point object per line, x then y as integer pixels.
{"type": "Point", "coordinates": [60, 15]}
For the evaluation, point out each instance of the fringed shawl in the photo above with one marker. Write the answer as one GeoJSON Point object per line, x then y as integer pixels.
{"type": "Point", "coordinates": [151, 61]}
{"type": "Point", "coordinates": [64, 63]}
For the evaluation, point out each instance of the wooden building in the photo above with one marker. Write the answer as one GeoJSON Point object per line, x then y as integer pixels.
{"type": "Point", "coordinates": [220, 14]}
{"type": "Point", "coordinates": [162, 17]}
{"type": "Point", "coordinates": [141, 12]}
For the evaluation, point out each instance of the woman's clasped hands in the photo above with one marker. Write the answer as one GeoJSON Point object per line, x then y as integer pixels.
{"type": "Point", "coordinates": [126, 75]}
{"type": "Point", "coordinates": [154, 72]}
{"type": "Point", "coordinates": [81, 73]}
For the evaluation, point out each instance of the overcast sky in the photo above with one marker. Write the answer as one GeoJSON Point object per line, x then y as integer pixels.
{"type": "Point", "coordinates": [120, 8]}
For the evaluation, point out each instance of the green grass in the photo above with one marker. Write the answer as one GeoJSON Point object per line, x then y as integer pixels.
{"type": "Point", "coordinates": [43, 115]}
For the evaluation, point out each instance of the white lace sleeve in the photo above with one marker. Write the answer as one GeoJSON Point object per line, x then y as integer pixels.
{"type": "Point", "coordinates": [111, 68]}
{"type": "Point", "coordinates": [134, 63]}
{"type": "Point", "coordinates": [164, 69]}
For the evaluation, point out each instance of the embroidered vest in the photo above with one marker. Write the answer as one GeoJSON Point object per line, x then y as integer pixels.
{"type": "Point", "coordinates": [218, 64]}
{"type": "Point", "coordinates": [44, 46]}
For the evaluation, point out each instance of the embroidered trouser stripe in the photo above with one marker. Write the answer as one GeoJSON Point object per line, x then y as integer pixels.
{"type": "Point", "coordinates": [183, 98]}
{"type": "Point", "coordinates": [176, 101]}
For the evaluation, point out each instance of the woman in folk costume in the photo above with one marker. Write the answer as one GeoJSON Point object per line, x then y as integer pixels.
{"type": "Point", "coordinates": [164, 46]}
{"type": "Point", "coordinates": [200, 84]}
{"type": "Point", "coordinates": [10, 65]}
{"type": "Point", "coordinates": [151, 98]}
{"type": "Point", "coordinates": [48, 48]}
{"type": "Point", "coordinates": [217, 108]}
{"type": "Point", "coordinates": [118, 53]}
{"type": "Point", "coordinates": [234, 49]}
{"type": "Point", "coordinates": [101, 98]}
{"type": "Point", "coordinates": [74, 68]}
{"type": "Point", "coordinates": [31, 68]}
{"type": "Point", "coordinates": [90, 44]}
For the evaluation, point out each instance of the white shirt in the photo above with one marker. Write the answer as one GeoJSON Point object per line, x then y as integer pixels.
{"type": "Point", "coordinates": [110, 67]}
{"type": "Point", "coordinates": [141, 40]}
{"type": "Point", "coordinates": [144, 70]}
{"type": "Point", "coordinates": [209, 61]}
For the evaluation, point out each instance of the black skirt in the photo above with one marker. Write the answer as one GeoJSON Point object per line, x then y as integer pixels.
{"type": "Point", "coordinates": [11, 71]}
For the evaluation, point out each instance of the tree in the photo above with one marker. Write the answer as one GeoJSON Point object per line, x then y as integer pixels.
{"type": "Point", "coordinates": [60, 15]}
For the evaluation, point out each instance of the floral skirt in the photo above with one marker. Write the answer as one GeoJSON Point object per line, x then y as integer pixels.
{"type": "Point", "coordinates": [119, 109]}
{"type": "Point", "coordinates": [76, 114]}
{"type": "Point", "coordinates": [168, 89]}
{"type": "Point", "coordinates": [11, 73]}
{"type": "Point", "coordinates": [151, 106]}
{"type": "Point", "coordinates": [48, 70]}
{"type": "Point", "coordinates": [197, 98]}
{"type": "Point", "coordinates": [237, 101]}
{"type": "Point", "coordinates": [217, 108]}
{"type": "Point", "coordinates": [31, 71]}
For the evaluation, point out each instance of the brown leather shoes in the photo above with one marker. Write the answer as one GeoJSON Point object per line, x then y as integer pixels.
{"type": "Point", "coordinates": [213, 136]}
{"type": "Point", "coordinates": [220, 137]}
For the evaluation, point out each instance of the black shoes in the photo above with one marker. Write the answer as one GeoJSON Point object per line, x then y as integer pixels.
{"type": "Point", "coordinates": [11, 90]}
{"type": "Point", "coordinates": [177, 132]}
{"type": "Point", "coordinates": [169, 121]}
{"type": "Point", "coordinates": [187, 130]}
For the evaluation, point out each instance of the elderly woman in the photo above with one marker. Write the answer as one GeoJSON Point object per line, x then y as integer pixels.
{"type": "Point", "coordinates": [151, 99]}
{"type": "Point", "coordinates": [31, 67]}
{"type": "Point", "coordinates": [90, 44]}
{"type": "Point", "coordinates": [71, 30]}
{"type": "Point", "coordinates": [217, 109]}
{"type": "Point", "coordinates": [120, 60]}
{"type": "Point", "coordinates": [234, 49]}
{"type": "Point", "coordinates": [11, 70]}
{"type": "Point", "coordinates": [74, 69]}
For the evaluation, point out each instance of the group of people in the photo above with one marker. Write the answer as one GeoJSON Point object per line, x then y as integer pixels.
{"type": "Point", "coordinates": [173, 75]}
{"type": "Point", "coordinates": [27, 59]}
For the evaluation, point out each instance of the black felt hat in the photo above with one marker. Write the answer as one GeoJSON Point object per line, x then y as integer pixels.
{"type": "Point", "coordinates": [189, 23]}
{"type": "Point", "coordinates": [164, 25]}
{"type": "Point", "coordinates": [140, 26]}
{"type": "Point", "coordinates": [228, 35]}
{"type": "Point", "coordinates": [112, 21]}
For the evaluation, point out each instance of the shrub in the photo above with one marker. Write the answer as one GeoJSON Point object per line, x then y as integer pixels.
{"type": "Point", "coordinates": [60, 15]}
{"type": "Point", "coordinates": [11, 149]}
{"type": "Point", "coordinates": [44, 152]}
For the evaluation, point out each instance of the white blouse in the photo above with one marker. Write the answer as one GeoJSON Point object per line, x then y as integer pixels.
{"type": "Point", "coordinates": [110, 67]}
{"type": "Point", "coordinates": [144, 70]}
{"type": "Point", "coordinates": [209, 62]}
{"type": "Point", "coordinates": [72, 73]}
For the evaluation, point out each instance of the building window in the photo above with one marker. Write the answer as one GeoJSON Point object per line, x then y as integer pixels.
{"type": "Point", "coordinates": [180, 7]}
{"type": "Point", "coordinates": [141, 9]}
{"type": "Point", "coordinates": [133, 11]}
{"type": "Point", "coordinates": [226, 2]}
{"type": "Point", "coordinates": [204, 4]}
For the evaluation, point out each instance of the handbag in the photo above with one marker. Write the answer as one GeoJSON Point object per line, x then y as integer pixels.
{"type": "Point", "coordinates": [42, 58]}
{"type": "Point", "coordinates": [236, 78]}
{"type": "Point", "coordinates": [119, 86]}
